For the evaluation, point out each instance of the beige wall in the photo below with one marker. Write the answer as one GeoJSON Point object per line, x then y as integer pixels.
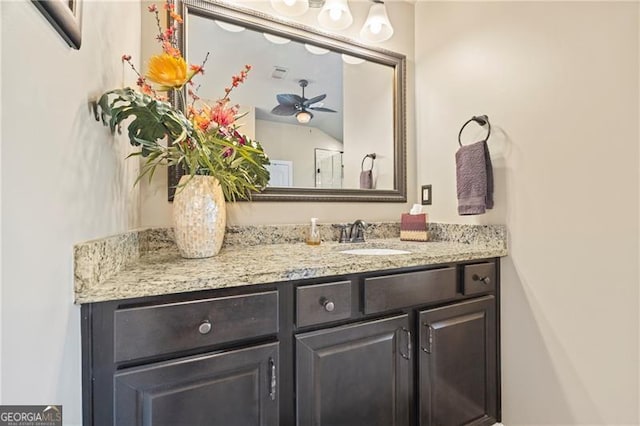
{"type": "Point", "coordinates": [559, 82]}
{"type": "Point", "coordinates": [156, 211]}
{"type": "Point", "coordinates": [64, 180]}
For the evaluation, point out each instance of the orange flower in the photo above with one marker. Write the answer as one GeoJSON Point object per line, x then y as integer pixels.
{"type": "Point", "coordinates": [223, 116]}
{"type": "Point", "coordinates": [201, 118]}
{"type": "Point", "coordinates": [168, 71]}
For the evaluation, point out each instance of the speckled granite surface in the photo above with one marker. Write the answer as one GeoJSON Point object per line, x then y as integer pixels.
{"type": "Point", "coordinates": [146, 262]}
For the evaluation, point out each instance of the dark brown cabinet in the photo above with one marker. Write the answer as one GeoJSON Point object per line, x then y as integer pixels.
{"type": "Point", "coordinates": [359, 374]}
{"type": "Point", "coordinates": [405, 347]}
{"type": "Point", "coordinates": [234, 388]}
{"type": "Point", "coordinates": [457, 364]}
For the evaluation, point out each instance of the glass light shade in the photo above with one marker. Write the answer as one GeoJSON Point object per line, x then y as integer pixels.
{"type": "Point", "coordinates": [377, 27]}
{"type": "Point", "coordinates": [335, 15]}
{"type": "Point", "coordinates": [290, 7]}
{"type": "Point", "coordinates": [276, 39]}
{"type": "Point", "coordinates": [232, 28]}
{"type": "Point", "coordinates": [351, 60]}
{"type": "Point", "coordinates": [315, 49]}
{"type": "Point", "coordinates": [303, 117]}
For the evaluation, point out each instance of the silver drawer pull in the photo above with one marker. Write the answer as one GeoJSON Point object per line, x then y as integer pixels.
{"type": "Point", "coordinates": [205, 327]}
{"type": "Point", "coordinates": [327, 304]}
{"type": "Point", "coordinates": [485, 280]}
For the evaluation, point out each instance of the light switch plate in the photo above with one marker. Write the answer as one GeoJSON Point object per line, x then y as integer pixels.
{"type": "Point", "coordinates": [426, 195]}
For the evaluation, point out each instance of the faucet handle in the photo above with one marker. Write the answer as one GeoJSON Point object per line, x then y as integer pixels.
{"type": "Point", "coordinates": [344, 235]}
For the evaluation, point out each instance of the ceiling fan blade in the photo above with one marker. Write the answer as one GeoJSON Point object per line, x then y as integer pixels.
{"type": "Point", "coordinates": [312, 101]}
{"type": "Point", "coordinates": [284, 110]}
{"type": "Point", "coordinates": [322, 109]}
{"type": "Point", "coordinates": [289, 99]}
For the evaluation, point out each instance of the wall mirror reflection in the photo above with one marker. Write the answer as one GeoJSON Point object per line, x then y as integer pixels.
{"type": "Point", "coordinates": [318, 104]}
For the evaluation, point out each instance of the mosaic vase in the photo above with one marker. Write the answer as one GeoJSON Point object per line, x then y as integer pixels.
{"type": "Point", "coordinates": [199, 216]}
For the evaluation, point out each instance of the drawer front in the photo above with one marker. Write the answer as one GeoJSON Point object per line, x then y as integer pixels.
{"type": "Point", "coordinates": [317, 304]}
{"type": "Point", "coordinates": [480, 278]}
{"type": "Point", "coordinates": [403, 290]}
{"type": "Point", "coordinates": [161, 329]}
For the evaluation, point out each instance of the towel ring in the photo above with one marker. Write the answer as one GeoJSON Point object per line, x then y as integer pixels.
{"type": "Point", "coordinates": [372, 156]}
{"type": "Point", "coordinates": [482, 120]}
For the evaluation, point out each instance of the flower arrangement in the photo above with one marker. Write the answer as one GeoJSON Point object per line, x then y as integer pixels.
{"type": "Point", "coordinates": [204, 139]}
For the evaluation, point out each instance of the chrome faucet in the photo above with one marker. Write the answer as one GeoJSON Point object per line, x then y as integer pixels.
{"type": "Point", "coordinates": [357, 231]}
{"type": "Point", "coordinates": [352, 232]}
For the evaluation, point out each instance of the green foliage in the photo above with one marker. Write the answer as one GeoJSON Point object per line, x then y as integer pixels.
{"type": "Point", "coordinates": [237, 162]}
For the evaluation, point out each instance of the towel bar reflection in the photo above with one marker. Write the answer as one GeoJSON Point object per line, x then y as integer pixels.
{"type": "Point", "coordinates": [482, 120]}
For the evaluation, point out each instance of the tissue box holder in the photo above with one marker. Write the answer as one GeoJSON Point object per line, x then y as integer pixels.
{"type": "Point", "coordinates": [413, 227]}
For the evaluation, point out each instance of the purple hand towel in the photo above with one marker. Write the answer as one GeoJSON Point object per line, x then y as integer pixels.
{"type": "Point", "coordinates": [474, 175]}
{"type": "Point", "coordinates": [366, 179]}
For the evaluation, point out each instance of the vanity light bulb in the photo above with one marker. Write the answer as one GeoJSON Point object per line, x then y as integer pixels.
{"type": "Point", "coordinates": [290, 7]}
{"type": "Point", "coordinates": [335, 14]}
{"type": "Point", "coordinates": [377, 27]}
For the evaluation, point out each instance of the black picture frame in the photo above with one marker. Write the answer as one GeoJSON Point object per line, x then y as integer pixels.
{"type": "Point", "coordinates": [65, 16]}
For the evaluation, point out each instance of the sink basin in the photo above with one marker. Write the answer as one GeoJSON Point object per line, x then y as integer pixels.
{"type": "Point", "coordinates": [374, 252]}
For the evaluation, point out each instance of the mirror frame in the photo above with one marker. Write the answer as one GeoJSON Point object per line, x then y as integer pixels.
{"type": "Point", "coordinates": [259, 21]}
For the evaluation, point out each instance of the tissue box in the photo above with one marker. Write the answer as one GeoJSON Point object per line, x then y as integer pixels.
{"type": "Point", "coordinates": [413, 227]}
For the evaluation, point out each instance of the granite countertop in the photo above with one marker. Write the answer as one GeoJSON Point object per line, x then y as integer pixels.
{"type": "Point", "coordinates": [111, 271]}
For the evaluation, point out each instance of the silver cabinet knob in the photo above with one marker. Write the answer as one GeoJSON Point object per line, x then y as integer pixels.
{"type": "Point", "coordinates": [205, 327]}
{"type": "Point", "coordinates": [485, 280]}
{"type": "Point", "coordinates": [327, 304]}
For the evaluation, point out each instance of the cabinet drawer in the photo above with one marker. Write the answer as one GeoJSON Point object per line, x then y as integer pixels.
{"type": "Point", "coordinates": [161, 329]}
{"type": "Point", "coordinates": [317, 304]}
{"type": "Point", "coordinates": [403, 290]}
{"type": "Point", "coordinates": [479, 278]}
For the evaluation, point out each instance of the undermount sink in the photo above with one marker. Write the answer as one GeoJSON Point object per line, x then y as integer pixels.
{"type": "Point", "coordinates": [375, 252]}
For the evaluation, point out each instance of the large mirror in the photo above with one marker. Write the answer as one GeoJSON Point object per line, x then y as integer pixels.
{"type": "Point", "coordinates": [329, 112]}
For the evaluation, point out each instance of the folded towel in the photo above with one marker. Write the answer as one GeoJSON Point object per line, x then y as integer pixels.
{"type": "Point", "coordinates": [366, 179]}
{"type": "Point", "coordinates": [474, 175]}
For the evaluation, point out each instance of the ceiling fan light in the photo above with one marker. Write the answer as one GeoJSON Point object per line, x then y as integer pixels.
{"type": "Point", "coordinates": [377, 28]}
{"type": "Point", "coordinates": [290, 7]}
{"type": "Point", "coordinates": [335, 15]}
{"type": "Point", "coordinates": [303, 117]}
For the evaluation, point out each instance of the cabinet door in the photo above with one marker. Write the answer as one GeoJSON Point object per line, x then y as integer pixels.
{"type": "Point", "coordinates": [358, 374]}
{"type": "Point", "coordinates": [457, 365]}
{"type": "Point", "coordinates": [234, 388]}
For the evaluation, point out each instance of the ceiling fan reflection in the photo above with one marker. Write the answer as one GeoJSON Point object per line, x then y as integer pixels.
{"type": "Point", "coordinates": [301, 107]}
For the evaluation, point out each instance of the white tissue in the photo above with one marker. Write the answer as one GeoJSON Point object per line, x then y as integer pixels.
{"type": "Point", "coordinates": [416, 209]}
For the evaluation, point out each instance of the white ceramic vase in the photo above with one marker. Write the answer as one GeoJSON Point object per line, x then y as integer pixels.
{"type": "Point", "coordinates": [199, 216]}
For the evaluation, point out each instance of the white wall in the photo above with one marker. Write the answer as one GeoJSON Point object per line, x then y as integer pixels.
{"type": "Point", "coordinates": [282, 141]}
{"type": "Point", "coordinates": [64, 180]}
{"type": "Point", "coordinates": [559, 82]}
{"type": "Point", "coordinates": [366, 135]}
{"type": "Point", "coordinates": [156, 211]}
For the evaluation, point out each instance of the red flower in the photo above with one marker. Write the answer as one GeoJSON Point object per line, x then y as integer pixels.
{"type": "Point", "coordinates": [153, 8]}
{"type": "Point", "coordinates": [228, 152]}
{"type": "Point", "coordinates": [126, 58]}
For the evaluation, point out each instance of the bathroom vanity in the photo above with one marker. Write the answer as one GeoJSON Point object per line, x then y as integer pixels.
{"type": "Point", "coordinates": [408, 345]}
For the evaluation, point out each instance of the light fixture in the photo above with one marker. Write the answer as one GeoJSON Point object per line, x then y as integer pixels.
{"type": "Point", "coordinates": [351, 60]}
{"type": "Point", "coordinates": [276, 39]}
{"type": "Point", "coordinates": [232, 28]}
{"type": "Point", "coordinates": [335, 15]}
{"type": "Point", "coordinates": [377, 27]}
{"type": "Point", "coordinates": [290, 7]}
{"type": "Point", "coordinates": [315, 49]}
{"type": "Point", "coordinates": [303, 117]}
